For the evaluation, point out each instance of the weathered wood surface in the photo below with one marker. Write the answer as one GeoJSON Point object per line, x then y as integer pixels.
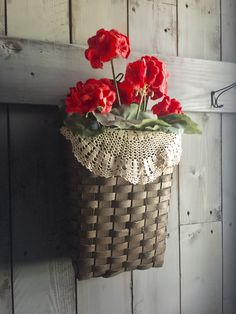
{"type": "Point", "coordinates": [201, 262]}
{"type": "Point", "coordinates": [41, 73]}
{"type": "Point", "coordinates": [199, 29]}
{"type": "Point", "coordinates": [2, 17]}
{"type": "Point", "coordinates": [229, 30]}
{"type": "Point", "coordinates": [5, 243]}
{"type": "Point", "coordinates": [43, 275]}
{"type": "Point", "coordinates": [229, 167]}
{"type": "Point", "coordinates": [229, 212]}
{"type": "Point", "coordinates": [150, 287]}
{"type": "Point", "coordinates": [200, 172]}
{"type": "Point", "coordinates": [153, 26]}
{"type": "Point", "coordinates": [110, 295]}
{"type": "Point", "coordinates": [88, 16]}
{"type": "Point", "coordinates": [39, 19]}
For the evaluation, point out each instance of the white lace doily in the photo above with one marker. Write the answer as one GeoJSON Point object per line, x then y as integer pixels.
{"type": "Point", "coordinates": [136, 156]}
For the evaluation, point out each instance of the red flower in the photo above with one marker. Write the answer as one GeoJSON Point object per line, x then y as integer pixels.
{"type": "Point", "coordinates": [175, 107]}
{"type": "Point", "coordinates": [136, 73]}
{"type": "Point", "coordinates": [88, 97]}
{"type": "Point", "coordinates": [156, 77]}
{"type": "Point", "coordinates": [105, 46]}
{"type": "Point", "coordinates": [122, 44]}
{"type": "Point", "coordinates": [167, 106]}
{"type": "Point", "coordinates": [149, 72]}
{"type": "Point", "coordinates": [127, 93]}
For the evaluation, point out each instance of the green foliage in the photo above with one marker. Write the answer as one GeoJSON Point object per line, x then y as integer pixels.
{"type": "Point", "coordinates": [84, 126]}
{"type": "Point", "coordinates": [124, 117]}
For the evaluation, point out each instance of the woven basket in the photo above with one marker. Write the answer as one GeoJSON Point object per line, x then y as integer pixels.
{"type": "Point", "coordinates": [116, 226]}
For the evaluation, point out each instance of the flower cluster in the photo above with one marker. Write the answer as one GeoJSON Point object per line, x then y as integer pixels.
{"type": "Point", "coordinates": [116, 99]}
{"type": "Point", "coordinates": [91, 96]}
{"type": "Point", "coordinates": [105, 46]}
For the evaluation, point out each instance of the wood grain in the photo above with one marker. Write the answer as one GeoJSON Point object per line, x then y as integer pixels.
{"type": "Point", "coordinates": [39, 19]}
{"type": "Point", "coordinates": [41, 73]}
{"type": "Point", "coordinates": [43, 275]}
{"type": "Point", "coordinates": [152, 286]}
{"type": "Point", "coordinates": [229, 212]}
{"type": "Point", "coordinates": [200, 172]}
{"type": "Point", "coordinates": [199, 29]}
{"type": "Point", "coordinates": [104, 296]}
{"type": "Point", "coordinates": [200, 175]}
{"type": "Point", "coordinates": [159, 34]}
{"type": "Point", "coordinates": [88, 16]}
{"type": "Point", "coordinates": [229, 30]}
{"type": "Point", "coordinates": [201, 266]}
{"type": "Point", "coordinates": [2, 17]}
{"type": "Point", "coordinates": [5, 245]}
{"type": "Point", "coordinates": [228, 167]}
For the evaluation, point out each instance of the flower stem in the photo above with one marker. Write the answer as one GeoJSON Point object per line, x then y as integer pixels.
{"type": "Point", "coordinates": [146, 103]}
{"type": "Point", "coordinates": [139, 106]}
{"type": "Point", "coordinates": [115, 82]}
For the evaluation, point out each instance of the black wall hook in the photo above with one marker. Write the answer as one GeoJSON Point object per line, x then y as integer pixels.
{"type": "Point", "coordinates": [214, 97]}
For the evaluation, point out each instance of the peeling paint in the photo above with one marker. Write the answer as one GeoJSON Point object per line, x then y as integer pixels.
{"type": "Point", "coordinates": [8, 48]}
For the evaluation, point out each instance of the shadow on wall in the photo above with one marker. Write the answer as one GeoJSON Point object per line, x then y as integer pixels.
{"type": "Point", "coordinates": [39, 211]}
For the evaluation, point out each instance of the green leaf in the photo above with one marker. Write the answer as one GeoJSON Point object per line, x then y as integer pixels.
{"type": "Point", "coordinates": [125, 118]}
{"type": "Point", "coordinates": [183, 121]}
{"type": "Point", "coordinates": [82, 125]}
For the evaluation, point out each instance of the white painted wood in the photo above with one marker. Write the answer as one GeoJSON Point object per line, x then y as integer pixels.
{"type": "Point", "coordinates": [229, 167]}
{"type": "Point", "coordinates": [39, 19]}
{"type": "Point", "coordinates": [88, 16]}
{"type": "Point", "coordinates": [229, 30]}
{"type": "Point", "coordinates": [41, 73]}
{"type": "Point", "coordinates": [229, 212]}
{"type": "Point", "coordinates": [105, 296]}
{"type": "Point", "coordinates": [199, 29]}
{"type": "Point", "coordinates": [44, 287]}
{"type": "Point", "coordinates": [159, 34]}
{"type": "Point", "coordinates": [200, 172]}
{"type": "Point", "coordinates": [152, 287]}
{"type": "Point", "coordinates": [201, 268]}
{"type": "Point", "coordinates": [2, 17]}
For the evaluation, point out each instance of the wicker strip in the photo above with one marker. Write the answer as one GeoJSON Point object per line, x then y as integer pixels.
{"type": "Point", "coordinates": [116, 226]}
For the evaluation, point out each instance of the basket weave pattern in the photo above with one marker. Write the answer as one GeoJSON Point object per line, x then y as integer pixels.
{"type": "Point", "coordinates": [117, 226]}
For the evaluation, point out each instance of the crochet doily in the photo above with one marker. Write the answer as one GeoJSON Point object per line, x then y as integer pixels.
{"type": "Point", "coordinates": [136, 156]}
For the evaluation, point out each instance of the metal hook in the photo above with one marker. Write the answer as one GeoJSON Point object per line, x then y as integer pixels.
{"type": "Point", "coordinates": [119, 77]}
{"type": "Point", "coordinates": [214, 99]}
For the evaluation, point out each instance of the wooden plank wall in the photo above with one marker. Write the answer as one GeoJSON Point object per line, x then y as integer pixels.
{"type": "Point", "coordinates": [229, 167]}
{"type": "Point", "coordinates": [201, 242]}
{"type": "Point", "coordinates": [5, 240]}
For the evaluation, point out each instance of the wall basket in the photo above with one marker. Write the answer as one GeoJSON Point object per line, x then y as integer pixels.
{"type": "Point", "coordinates": [116, 225]}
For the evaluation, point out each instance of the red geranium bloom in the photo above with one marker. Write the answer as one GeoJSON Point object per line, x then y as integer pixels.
{"type": "Point", "coordinates": [122, 44]}
{"type": "Point", "coordinates": [136, 73]}
{"type": "Point", "coordinates": [156, 77]}
{"type": "Point", "coordinates": [88, 97]}
{"type": "Point", "coordinates": [149, 72]}
{"type": "Point", "coordinates": [127, 93]}
{"type": "Point", "coordinates": [105, 46]}
{"type": "Point", "coordinates": [167, 106]}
